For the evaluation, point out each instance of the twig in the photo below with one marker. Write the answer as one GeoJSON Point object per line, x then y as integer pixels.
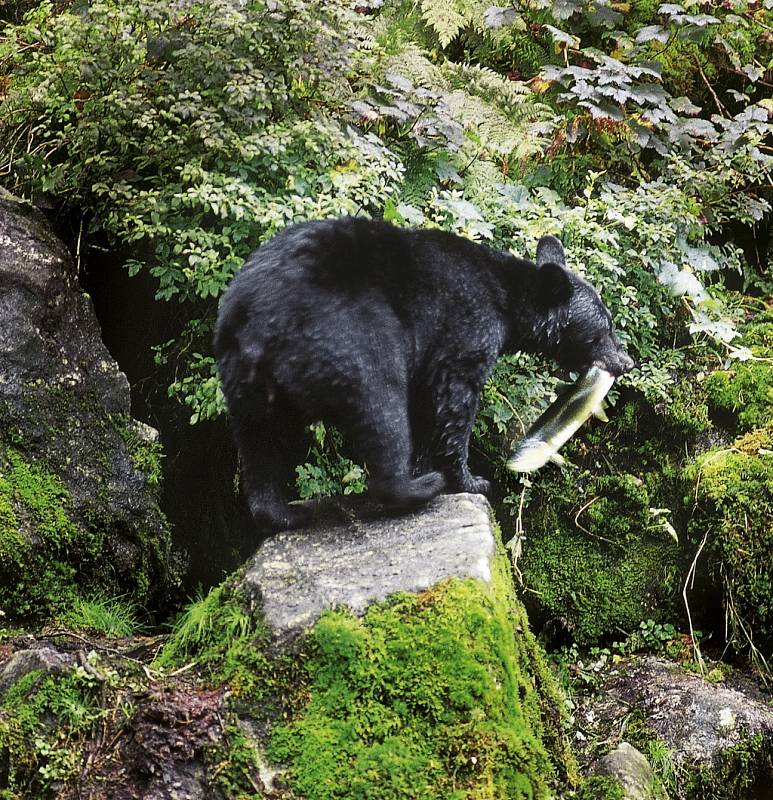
{"type": "Point", "coordinates": [519, 537]}
{"type": "Point", "coordinates": [586, 506]}
{"type": "Point", "coordinates": [78, 249]}
{"type": "Point", "coordinates": [722, 109]}
{"type": "Point", "coordinates": [590, 533]}
{"type": "Point", "coordinates": [97, 646]}
{"type": "Point", "coordinates": [689, 581]}
{"type": "Point", "coordinates": [184, 668]}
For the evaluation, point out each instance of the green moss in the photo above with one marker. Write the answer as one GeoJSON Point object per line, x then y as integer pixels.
{"type": "Point", "coordinates": [734, 775]}
{"type": "Point", "coordinates": [687, 411]}
{"type": "Point", "coordinates": [50, 556]}
{"type": "Point", "coordinates": [42, 720]}
{"type": "Point", "coordinates": [732, 500]}
{"type": "Point", "coordinates": [37, 539]}
{"type": "Point", "coordinates": [427, 696]}
{"type": "Point", "coordinates": [596, 556]}
{"type": "Point", "coordinates": [746, 390]}
{"type": "Point", "coordinates": [236, 761]}
{"type": "Point", "coordinates": [600, 787]}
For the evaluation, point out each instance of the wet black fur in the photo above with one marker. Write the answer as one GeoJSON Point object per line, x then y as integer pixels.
{"type": "Point", "coordinates": [388, 334]}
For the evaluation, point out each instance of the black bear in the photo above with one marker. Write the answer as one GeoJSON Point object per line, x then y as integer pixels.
{"type": "Point", "coordinates": [389, 334]}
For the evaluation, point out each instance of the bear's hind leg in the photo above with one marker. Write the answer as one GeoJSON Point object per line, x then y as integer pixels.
{"type": "Point", "coordinates": [270, 447]}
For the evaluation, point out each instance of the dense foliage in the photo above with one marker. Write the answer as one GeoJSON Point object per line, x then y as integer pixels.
{"type": "Point", "coordinates": [189, 132]}
{"type": "Point", "coordinates": [195, 131]}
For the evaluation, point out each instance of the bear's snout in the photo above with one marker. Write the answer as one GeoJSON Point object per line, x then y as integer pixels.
{"type": "Point", "coordinates": [618, 363]}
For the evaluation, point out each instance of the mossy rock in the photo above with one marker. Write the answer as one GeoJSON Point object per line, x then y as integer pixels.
{"type": "Point", "coordinates": [729, 492]}
{"type": "Point", "coordinates": [598, 556]}
{"type": "Point", "coordinates": [732, 503]}
{"type": "Point", "coordinates": [600, 787]}
{"type": "Point", "coordinates": [40, 545]}
{"type": "Point", "coordinates": [49, 555]}
{"type": "Point", "coordinates": [740, 773]}
{"type": "Point", "coordinates": [79, 478]}
{"type": "Point", "coordinates": [704, 740]}
{"type": "Point", "coordinates": [442, 693]}
{"type": "Point", "coordinates": [427, 696]}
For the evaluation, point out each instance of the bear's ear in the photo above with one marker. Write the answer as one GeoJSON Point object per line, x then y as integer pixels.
{"type": "Point", "coordinates": [550, 249]}
{"type": "Point", "coordinates": [554, 285]}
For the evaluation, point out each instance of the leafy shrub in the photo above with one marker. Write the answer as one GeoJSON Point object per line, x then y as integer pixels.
{"type": "Point", "coordinates": [195, 128]}
{"type": "Point", "coordinates": [328, 472]}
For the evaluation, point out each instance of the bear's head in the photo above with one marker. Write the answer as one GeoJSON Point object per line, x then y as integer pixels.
{"type": "Point", "coordinates": [581, 334]}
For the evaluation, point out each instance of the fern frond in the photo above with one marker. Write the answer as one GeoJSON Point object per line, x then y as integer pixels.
{"type": "Point", "coordinates": [412, 62]}
{"type": "Point", "coordinates": [488, 84]}
{"type": "Point", "coordinates": [502, 135]}
{"type": "Point", "coordinates": [444, 17]}
{"type": "Point", "coordinates": [505, 119]}
{"type": "Point", "coordinates": [512, 99]}
{"type": "Point", "coordinates": [448, 18]}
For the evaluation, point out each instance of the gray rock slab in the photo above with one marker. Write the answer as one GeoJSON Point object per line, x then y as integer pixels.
{"type": "Point", "coordinates": [630, 769]}
{"type": "Point", "coordinates": [697, 719]}
{"type": "Point", "coordinates": [22, 662]}
{"type": "Point", "coordinates": [353, 555]}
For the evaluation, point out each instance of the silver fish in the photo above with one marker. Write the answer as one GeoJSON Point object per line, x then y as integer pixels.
{"type": "Point", "coordinates": [560, 421]}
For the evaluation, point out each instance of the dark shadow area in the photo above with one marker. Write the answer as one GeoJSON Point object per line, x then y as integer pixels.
{"type": "Point", "coordinates": [210, 523]}
{"type": "Point", "coordinates": [755, 242]}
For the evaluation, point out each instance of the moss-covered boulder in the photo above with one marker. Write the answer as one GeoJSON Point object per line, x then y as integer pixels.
{"type": "Point", "coordinates": [78, 477]}
{"type": "Point", "coordinates": [431, 688]}
{"type": "Point", "coordinates": [730, 493]}
{"type": "Point", "coordinates": [601, 553]}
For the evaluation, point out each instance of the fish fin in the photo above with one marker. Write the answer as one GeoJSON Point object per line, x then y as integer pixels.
{"type": "Point", "coordinates": [558, 459]}
{"type": "Point", "coordinates": [601, 414]}
{"type": "Point", "coordinates": [563, 388]}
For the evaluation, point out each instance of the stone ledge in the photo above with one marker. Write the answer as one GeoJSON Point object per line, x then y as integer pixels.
{"type": "Point", "coordinates": [353, 556]}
